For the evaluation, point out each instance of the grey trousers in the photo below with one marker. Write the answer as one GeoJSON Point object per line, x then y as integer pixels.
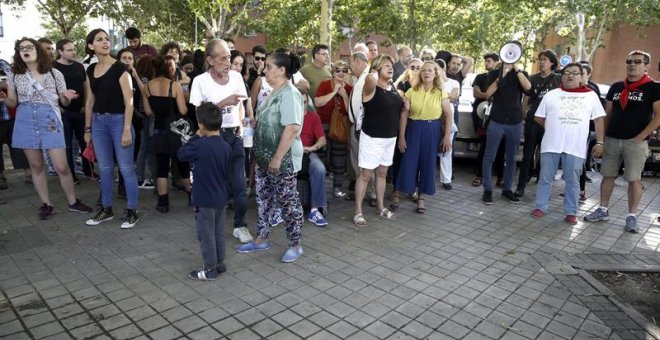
{"type": "Point", "coordinates": [210, 223]}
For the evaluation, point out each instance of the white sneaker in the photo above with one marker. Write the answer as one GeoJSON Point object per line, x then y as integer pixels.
{"type": "Point", "coordinates": [146, 184]}
{"type": "Point", "coordinates": [243, 235]}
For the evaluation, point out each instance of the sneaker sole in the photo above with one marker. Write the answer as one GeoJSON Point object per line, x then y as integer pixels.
{"type": "Point", "coordinates": [80, 211]}
{"type": "Point", "coordinates": [318, 224]}
{"type": "Point", "coordinates": [252, 250]}
{"type": "Point", "coordinates": [290, 260]}
{"type": "Point", "coordinates": [634, 231]}
{"type": "Point", "coordinates": [129, 226]}
{"type": "Point", "coordinates": [91, 222]}
{"type": "Point", "coordinates": [488, 203]}
{"type": "Point", "coordinates": [597, 219]}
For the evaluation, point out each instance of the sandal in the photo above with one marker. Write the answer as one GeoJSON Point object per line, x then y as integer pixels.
{"type": "Point", "coordinates": [359, 220]}
{"type": "Point", "coordinates": [477, 182]}
{"type": "Point", "coordinates": [387, 214]}
{"type": "Point", "coordinates": [420, 210]}
{"type": "Point", "coordinates": [395, 202]}
{"type": "Point", "coordinates": [583, 196]}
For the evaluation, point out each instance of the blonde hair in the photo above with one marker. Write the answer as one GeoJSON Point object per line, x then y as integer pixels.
{"type": "Point", "coordinates": [405, 76]}
{"type": "Point", "coordinates": [378, 63]}
{"type": "Point", "coordinates": [438, 84]}
{"type": "Point", "coordinates": [339, 63]}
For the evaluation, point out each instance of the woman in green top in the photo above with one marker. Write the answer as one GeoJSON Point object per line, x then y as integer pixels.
{"type": "Point", "coordinates": [278, 154]}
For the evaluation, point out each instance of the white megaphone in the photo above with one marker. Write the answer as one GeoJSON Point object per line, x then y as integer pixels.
{"type": "Point", "coordinates": [511, 52]}
{"type": "Point", "coordinates": [483, 109]}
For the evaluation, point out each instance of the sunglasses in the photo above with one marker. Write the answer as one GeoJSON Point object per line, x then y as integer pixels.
{"type": "Point", "coordinates": [415, 68]}
{"type": "Point", "coordinates": [259, 58]}
{"type": "Point", "coordinates": [341, 70]}
{"type": "Point", "coordinates": [636, 61]}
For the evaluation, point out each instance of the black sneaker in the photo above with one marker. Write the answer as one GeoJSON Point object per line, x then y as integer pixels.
{"type": "Point", "coordinates": [76, 181]}
{"type": "Point", "coordinates": [130, 219]}
{"type": "Point", "coordinates": [510, 196]}
{"type": "Point", "coordinates": [80, 207]}
{"type": "Point", "coordinates": [104, 214]}
{"type": "Point", "coordinates": [487, 197]}
{"type": "Point", "coordinates": [447, 186]}
{"type": "Point", "coordinates": [203, 274]}
{"type": "Point", "coordinates": [45, 212]}
{"type": "Point", "coordinates": [520, 192]}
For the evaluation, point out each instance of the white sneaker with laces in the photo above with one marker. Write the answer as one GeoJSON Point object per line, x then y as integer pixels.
{"type": "Point", "coordinates": [243, 235]}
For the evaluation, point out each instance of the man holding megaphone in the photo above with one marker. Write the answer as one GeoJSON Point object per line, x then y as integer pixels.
{"type": "Point", "coordinates": [508, 83]}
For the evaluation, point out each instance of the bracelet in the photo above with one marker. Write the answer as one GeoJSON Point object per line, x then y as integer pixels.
{"type": "Point", "coordinates": [599, 143]}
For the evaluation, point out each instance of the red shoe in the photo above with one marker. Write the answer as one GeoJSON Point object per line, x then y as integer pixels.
{"type": "Point", "coordinates": [538, 213]}
{"type": "Point", "coordinates": [571, 219]}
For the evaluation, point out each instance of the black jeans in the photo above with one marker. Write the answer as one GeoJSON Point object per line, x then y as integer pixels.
{"type": "Point", "coordinates": [533, 136]}
{"type": "Point", "coordinates": [74, 124]}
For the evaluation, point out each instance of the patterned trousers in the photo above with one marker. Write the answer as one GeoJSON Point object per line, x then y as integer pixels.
{"type": "Point", "coordinates": [278, 191]}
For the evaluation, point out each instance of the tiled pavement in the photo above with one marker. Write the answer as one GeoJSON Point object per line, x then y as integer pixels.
{"type": "Point", "coordinates": [462, 270]}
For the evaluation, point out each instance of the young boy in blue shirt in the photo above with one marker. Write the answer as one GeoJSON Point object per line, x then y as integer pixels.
{"type": "Point", "coordinates": [209, 156]}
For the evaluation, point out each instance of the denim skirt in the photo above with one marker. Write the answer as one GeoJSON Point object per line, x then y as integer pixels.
{"type": "Point", "coordinates": [37, 126]}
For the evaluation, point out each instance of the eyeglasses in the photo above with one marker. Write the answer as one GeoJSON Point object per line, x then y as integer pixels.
{"type": "Point", "coordinates": [574, 74]}
{"type": "Point", "coordinates": [427, 59]}
{"type": "Point", "coordinates": [415, 68]}
{"type": "Point", "coordinates": [341, 70]}
{"type": "Point", "coordinates": [26, 48]}
{"type": "Point", "coordinates": [636, 61]}
{"type": "Point", "coordinates": [259, 58]}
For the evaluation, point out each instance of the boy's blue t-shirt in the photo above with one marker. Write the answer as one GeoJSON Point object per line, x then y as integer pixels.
{"type": "Point", "coordinates": [209, 162]}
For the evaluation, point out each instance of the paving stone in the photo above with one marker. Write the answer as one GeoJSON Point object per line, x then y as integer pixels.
{"type": "Point", "coordinates": [324, 335]}
{"type": "Point", "coordinates": [286, 318]}
{"type": "Point", "coordinates": [204, 333]}
{"type": "Point", "coordinates": [151, 323]}
{"type": "Point", "coordinates": [87, 331]}
{"type": "Point", "coordinates": [126, 332]}
{"type": "Point", "coordinates": [11, 327]}
{"type": "Point", "coordinates": [304, 328]}
{"type": "Point", "coordinates": [323, 319]}
{"type": "Point", "coordinates": [114, 321]}
{"type": "Point", "coordinates": [190, 324]}
{"type": "Point", "coordinates": [165, 333]}
{"type": "Point", "coordinates": [228, 326]}
{"type": "Point", "coordinates": [342, 329]}
{"type": "Point", "coordinates": [417, 330]}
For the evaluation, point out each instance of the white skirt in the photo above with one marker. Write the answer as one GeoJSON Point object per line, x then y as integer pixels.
{"type": "Point", "coordinates": [375, 152]}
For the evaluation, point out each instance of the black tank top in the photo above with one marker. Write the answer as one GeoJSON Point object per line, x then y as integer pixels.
{"type": "Point", "coordinates": [164, 108]}
{"type": "Point", "coordinates": [381, 113]}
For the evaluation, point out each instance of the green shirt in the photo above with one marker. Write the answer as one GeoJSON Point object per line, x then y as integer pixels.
{"type": "Point", "coordinates": [314, 76]}
{"type": "Point", "coordinates": [283, 107]}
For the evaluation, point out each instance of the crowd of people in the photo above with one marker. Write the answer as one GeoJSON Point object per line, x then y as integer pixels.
{"type": "Point", "coordinates": [209, 125]}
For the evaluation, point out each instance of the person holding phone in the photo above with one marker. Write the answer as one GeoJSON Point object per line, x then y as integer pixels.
{"type": "Point", "coordinates": [225, 88]}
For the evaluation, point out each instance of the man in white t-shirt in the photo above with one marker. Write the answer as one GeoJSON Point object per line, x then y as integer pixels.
{"type": "Point", "coordinates": [225, 88]}
{"type": "Point", "coordinates": [565, 113]}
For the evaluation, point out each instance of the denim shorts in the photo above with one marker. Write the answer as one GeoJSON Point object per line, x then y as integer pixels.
{"type": "Point", "coordinates": [37, 126]}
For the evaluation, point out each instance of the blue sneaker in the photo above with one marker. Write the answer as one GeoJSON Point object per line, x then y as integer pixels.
{"type": "Point", "coordinates": [252, 246]}
{"type": "Point", "coordinates": [631, 224]}
{"type": "Point", "coordinates": [275, 217]}
{"type": "Point", "coordinates": [292, 254]}
{"type": "Point", "coordinates": [598, 215]}
{"type": "Point", "coordinates": [316, 218]}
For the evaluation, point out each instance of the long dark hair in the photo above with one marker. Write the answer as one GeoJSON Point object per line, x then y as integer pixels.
{"type": "Point", "coordinates": [90, 39]}
{"type": "Point", "coordinates": [236, 53]}
{"type": "Point", "coordinates": [44, 61]}
{"type": "Point", "coordinates": [163, 66]}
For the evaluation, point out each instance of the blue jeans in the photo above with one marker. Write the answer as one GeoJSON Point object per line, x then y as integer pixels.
{"type": "Point", "coordinates": [494, 135]}
{"type": "Point", "coordinates": [145, 156]}
{"type": "Point", "coordinates": [236, 180]}
{"type": "Point", "coordinates": [572, 167]}
{"type": "Point", "coordinates": [106, 135]}
{"type": "Point", "coordinates": [317, 180]}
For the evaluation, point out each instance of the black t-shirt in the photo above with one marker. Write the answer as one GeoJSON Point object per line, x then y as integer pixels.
{"type": "Point", "coordinates": [540, 86]}
{"type": "Point", "coordinates": [381, 114]}
{"type": "Point", "coordinates": [458, 77]}
{"type": "Point", "coordinates": [628, 123]}
{"type": "Point", "coordinates": [507, 106]}
{"type": "Point", "coordinates": [404, 86]}
{"type": "Point", "coordinates": [108, 97]}
{"type": "Point", "coordinates": [74, 75]}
